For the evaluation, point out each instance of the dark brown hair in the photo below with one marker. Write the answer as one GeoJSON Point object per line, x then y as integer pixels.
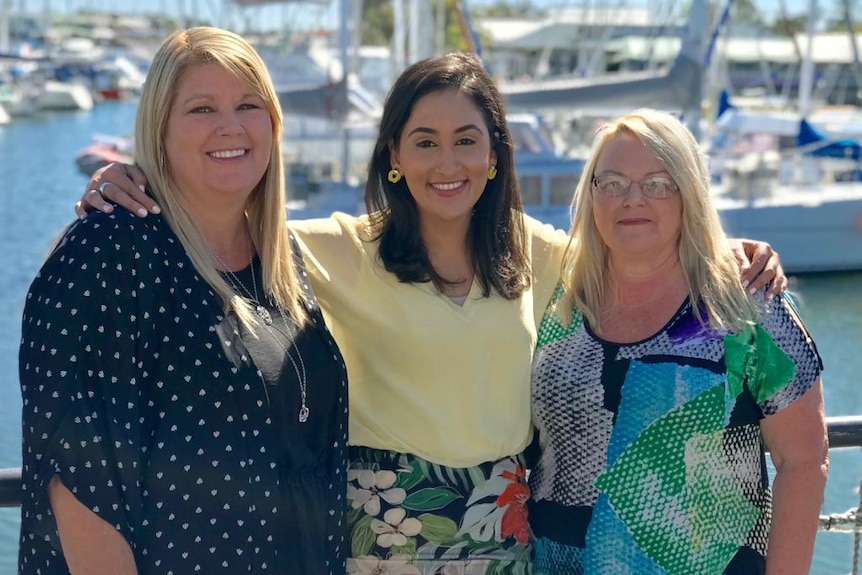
{"type": "Point", "coordinates": [496, 236]}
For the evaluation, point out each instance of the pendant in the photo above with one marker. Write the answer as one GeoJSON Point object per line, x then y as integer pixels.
{"type": "Point", "coordinates": [303, 413]}
{"type": "Point", "coordinates": [263, 314]}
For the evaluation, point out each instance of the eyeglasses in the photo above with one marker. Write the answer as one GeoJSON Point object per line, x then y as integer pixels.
{"type": "Point", "coordinates": [656, 187]}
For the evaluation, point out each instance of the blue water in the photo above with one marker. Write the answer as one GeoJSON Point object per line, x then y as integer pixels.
{"type": "Point", "coordinates": [39, 183]}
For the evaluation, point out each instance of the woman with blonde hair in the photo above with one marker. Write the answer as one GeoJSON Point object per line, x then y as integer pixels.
{"type": "Point", "coordinates": [658, 383]}
{"type": "Point", "coordinates": [185, 406]}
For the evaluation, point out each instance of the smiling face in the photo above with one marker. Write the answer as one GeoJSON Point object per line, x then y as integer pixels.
{"type": "Point", "coordinates": [218, 138]}
{"type": "Point", "coordinates": [633, 225]}
{"type": "Point", "coordinates": [444, 154]}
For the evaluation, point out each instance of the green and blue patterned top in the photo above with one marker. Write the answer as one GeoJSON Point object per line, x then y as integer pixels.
{"type": "Point", "coordinates": [652, 460]}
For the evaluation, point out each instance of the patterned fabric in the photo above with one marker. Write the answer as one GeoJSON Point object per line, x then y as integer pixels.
{"type": "Point", "coordinates": [652, 459]}
{"type": "Point", "coordinates": [141, 397]}
{"type": "Point", "coordinates": [408, 516]}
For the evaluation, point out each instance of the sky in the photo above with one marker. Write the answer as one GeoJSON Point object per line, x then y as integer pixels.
{"type": "Point", "coordinates": [304, 14]}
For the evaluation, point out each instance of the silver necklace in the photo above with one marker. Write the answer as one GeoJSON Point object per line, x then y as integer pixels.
{"type": "Point", "coordinates": [266, 317]}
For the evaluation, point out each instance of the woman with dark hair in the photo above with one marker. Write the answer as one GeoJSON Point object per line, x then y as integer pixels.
{"type": "Point", "coordinates": [440, 267]}
{"type": "Point", "coordinates": [496, 231]}
{"type": "Point", "coordinates": [433, 299]}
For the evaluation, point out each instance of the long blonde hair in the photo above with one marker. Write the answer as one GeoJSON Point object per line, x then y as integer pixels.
{"type": "Point", "coordinates": [710, 268]}
{"type": "Point", "coordinates": [266, 207]}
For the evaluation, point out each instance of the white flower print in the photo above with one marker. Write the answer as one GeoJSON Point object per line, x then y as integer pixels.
{"type": "Point", "coordinates": [395, 528]}
{"type": "Point", "coordinates": [373, 485]}
{"type": "Point", "coordinates": [368, 565]}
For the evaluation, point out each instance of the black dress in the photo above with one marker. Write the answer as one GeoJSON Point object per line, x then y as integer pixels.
{"type": "Point", "coordinates": [147, 403]}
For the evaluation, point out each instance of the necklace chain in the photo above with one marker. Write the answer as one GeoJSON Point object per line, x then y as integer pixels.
{"type": "Point", "coordinates": [266, 318]}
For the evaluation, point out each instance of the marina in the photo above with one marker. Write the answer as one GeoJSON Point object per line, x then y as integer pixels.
{"type": "Point", "coordinates": [41, 180]}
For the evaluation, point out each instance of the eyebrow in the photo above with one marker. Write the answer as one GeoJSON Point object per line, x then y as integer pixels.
{"type": "Point", "coordinates": [465, 128]}
{"type": "Point", "coordinates": [211, 97]}
{"type": "Point", "coordinates": [647, 175]}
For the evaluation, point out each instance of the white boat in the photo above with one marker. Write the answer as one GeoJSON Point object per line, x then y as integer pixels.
{"type": "Point", "coordinates": [18, 99]}
{"type": "Point", "coordinates": [4, 116]}
{"type": "Point", "coordinates": [64, 96]}
{"type": "Point", "coordinates": [799, 205]}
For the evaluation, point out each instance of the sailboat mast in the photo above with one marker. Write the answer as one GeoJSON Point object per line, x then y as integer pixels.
{"type": "Point", "coordinates": [806, 73]}
{"type": "Point", "coordinates": [343, 50]}
{"type": "Point", "coordinates": [5, 11]}
{"type": "Point", "coordinates": [851, 33]}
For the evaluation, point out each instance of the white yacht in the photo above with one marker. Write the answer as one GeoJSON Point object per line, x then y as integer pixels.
{"type": "Point", "coordinates": [55, 95]}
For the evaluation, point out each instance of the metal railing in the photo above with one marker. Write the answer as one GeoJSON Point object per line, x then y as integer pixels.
{"type": "Point", "coordinates": [843, 432]}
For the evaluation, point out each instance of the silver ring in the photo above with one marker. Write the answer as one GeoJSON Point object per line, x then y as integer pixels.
{"type": "Point", "coordinates": [102, 187]}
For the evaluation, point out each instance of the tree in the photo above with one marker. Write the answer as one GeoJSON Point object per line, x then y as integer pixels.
{"type": "Point", "coordinates": [378, 21]}
{"type": "Point", "coordinates": [507, 9]}
{"type": "Point", "coordinates": [746, 12]}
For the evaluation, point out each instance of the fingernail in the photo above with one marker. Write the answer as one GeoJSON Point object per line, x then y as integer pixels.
{"type": "Point", "coordinates": [143, 188]}
{"type": "Point", "coordinates": [156, 210]}
{"type": "Point", "coordinates": [745, 283]}
{"type": "Point", "coordinates": [142, 212]}
{"type": "Point", "coordinates": [107, 208]}
{"type": "Point", "coordinates": [752, 291]}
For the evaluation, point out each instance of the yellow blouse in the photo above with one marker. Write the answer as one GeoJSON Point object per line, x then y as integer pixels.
{"type": "Point", "coordinates": [448, 383]}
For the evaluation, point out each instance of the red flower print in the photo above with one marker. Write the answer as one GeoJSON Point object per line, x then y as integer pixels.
{"type": "Point", "coordinates": [514, 499]}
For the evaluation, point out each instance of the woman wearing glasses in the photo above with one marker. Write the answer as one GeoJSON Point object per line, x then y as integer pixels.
{"type": "Point", "coordinates": [658, 380]}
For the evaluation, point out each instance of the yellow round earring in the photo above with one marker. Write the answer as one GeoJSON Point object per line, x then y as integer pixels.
{"type": "Point", "coordinates": [492, 172]}
{"type": "Point", "coordinates": [394, 176]}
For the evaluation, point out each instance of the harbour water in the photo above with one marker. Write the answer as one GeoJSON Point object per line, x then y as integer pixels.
{"type": "Point", "coordinates": [39, 183]}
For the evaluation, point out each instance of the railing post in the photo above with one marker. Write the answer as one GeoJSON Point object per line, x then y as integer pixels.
{"type": "Point", "coordinates": [10, 487]}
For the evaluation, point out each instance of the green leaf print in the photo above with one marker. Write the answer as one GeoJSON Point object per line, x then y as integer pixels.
{"type": "Point", "coordinates": [409, 479]}
{"type": "Point", "coordinates": [362, 538]}
{"type": "Point", "coordinates": [430, 499]}
{"type": "Point", "coordinates": [438, 529]}
{"type": "Point", "coordinates": [353, 515]}
{"type": "Point", "coordinates": [408, 549]}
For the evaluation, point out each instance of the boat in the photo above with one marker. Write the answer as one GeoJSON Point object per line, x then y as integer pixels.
{"type": "Point", "coordinates": [54, 95]}
{"type": "Point", "coordinates": [797, 203]}
{"type": "Point", "coordinates": [4, 115]}
{"type": "Point", "coordinates": [117, 78]}
{"type": "Point", "coordinates": [102, 151]}
{"type": "Point", "coordinates": [18, 96]}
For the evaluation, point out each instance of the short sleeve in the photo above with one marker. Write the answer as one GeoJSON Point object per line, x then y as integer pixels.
{"type": "Point", "coordinates": [81, 381]}
{"type": "Point", "coordinates": [790, 343]}
{"type": "Point", "coordinates": [334, 254]}
{"type": "Point", "coordinates": [546, 248]}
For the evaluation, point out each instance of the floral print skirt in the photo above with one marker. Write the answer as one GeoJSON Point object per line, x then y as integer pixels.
{"type": "Point", "coordinates": [408, 516]}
